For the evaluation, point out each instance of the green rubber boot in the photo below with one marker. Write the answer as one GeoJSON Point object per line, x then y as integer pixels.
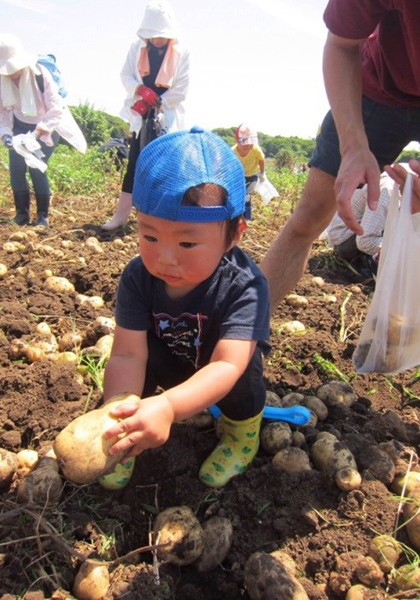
{"type": "Point", "coordinates": [119, 477]}
{"type": "Point", "coordinates": [234, 452]}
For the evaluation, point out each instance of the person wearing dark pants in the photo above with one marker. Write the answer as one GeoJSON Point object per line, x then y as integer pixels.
{"type": "Point", "coordinates": [30, 103]}
{"type": "Point", "coordinates": [19, 183]}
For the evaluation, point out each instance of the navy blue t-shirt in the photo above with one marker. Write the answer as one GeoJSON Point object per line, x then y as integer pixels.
{"type": "Point", "coordinates": [233, 303]}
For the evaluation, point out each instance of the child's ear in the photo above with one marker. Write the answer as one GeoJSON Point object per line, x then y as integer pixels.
{"type": "Point", "coordinates": [242, 226]}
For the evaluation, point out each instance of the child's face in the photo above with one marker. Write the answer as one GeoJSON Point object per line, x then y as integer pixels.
{"type": "Point", "coordinates": [181, 254]}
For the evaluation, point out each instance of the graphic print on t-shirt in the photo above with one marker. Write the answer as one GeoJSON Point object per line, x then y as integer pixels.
{"type": "Point", "coordinates": [182, 334]}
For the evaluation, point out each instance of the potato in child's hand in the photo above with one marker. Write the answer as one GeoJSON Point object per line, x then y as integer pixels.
{"type": "Point", "coordinates": [81, 448]}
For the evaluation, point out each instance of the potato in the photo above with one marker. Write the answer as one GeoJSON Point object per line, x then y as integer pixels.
{"type": "Point", "coordinates": [336, 392]}
{"type": "Point", "coordinates": [411, 481]}
{"type": "Point", "coordinates": [316, 406]}
{"type": "Point", "coordinates": [70, 341]}
{"type": "Point", "coordinates": [291, 460]}
{"type": "Point", "coordinates": [179, 527]}
{"type": "Point", "coordinates": [298, 439]}
{"type": "Point", "coordinates": [18, 236]}
{"type": "Point", "coordinates": [104, 345]}
{"type": "Point", "coordinates": [47, 343]}
{"type": "Point", "coordinates": [330, 298]}
{"type": "Point", "coordinates": [8, 467]}
{"type": "Point", "coordinates": [94, 244]}
{"type": "Point", "coordinates": [91, 581]}
{"type": "Point", "coordinates": [61, 285]}
{"type": "Point", "coordinates": [331, 455]}
{"type": "Point", "coordinates": [275, 436]}
{"type": "Point", "coordinates": [292, 399]}
{"type": "Point", "coordinates": [412, 518]}
{"type": "Point", "coordinates": [286, 561]}
{"type": "Point", "coordinates": [202, 420]}
{"type": "Point", "coordinates": [43, 328]}
{"type": "Point", "coordinates": [296, 301]}
{"type": "Point", "coordinates": [266, 577]}
{"type": "Point", "coordinates": [368, 572]}
{"type": "Point", "coordinates": [94, 301]}
{"type": "Point", "coordinates": [42, 486]}
{"type": "Point", "coordinates": [292, 327]}
{"type": "Point", "coordinates": [218, 535]}
{"type": "Point", "coordinates": [26, 459]}
{"type": "Point", "coordinates": [64, 358]}
{"type": "Point", "coordinates": [385, 550]}
{"type": "Point", "coordinates": [3, 269]}
{"type": "Point", "coordinates": [81, 449]}
{"type": "Point", "coordinates": [361, 592]}
{"type": "Point", "coordinates": [318, 282]}
{"type": "Point", "coordinates": [348, 479]}
{"type": "Point", "coordinates": [118, 243]}
{"type": "Point", "coordinates": [407, 577]}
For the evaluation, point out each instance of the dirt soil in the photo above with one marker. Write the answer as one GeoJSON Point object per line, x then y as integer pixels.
{"type": "Point", "coordinates": [305, 515]}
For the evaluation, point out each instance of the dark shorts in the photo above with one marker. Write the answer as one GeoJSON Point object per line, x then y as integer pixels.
{"type": "Point", "coordinates": [245, 400]}
{"type": "Point", "coordinates": [389, 129]}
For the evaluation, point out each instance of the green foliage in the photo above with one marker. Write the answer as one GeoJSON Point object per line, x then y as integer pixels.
{"type": "Point", "coordinates": [93, 123]}
{"type": "Point", "coordinates": [226, 134]}
{"type": "Point", "coordinates": [75, 173]}
{"type": "Point", "coordinates": [299, 148]}
{"type": "Point", "coordinates": [117, 127]}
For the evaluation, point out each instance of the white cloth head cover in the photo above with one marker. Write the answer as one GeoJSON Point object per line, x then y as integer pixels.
{"type": "Point", "coordinates": [158, 21]}
{"type": "Point", "coordinates": [12, 55]}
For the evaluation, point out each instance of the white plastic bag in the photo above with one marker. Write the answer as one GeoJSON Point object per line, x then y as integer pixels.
{"type": "Point", "coordinates": [27, 146]}
{"type": "Point", "coordinates": [390, 337]}
{"type": "Point", "coordinates": [266, 190]}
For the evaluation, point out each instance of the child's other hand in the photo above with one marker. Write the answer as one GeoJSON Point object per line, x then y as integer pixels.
{"type": "Point", "coordinates": [146, 423]}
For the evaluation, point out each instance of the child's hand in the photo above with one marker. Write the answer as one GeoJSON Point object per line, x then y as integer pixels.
{"type": "Point", "coordinates": [399, 175]}
{"type": "Point", "coordinates": [146, 422]}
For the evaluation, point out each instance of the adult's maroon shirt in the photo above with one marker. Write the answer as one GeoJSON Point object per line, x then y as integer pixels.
{"type": "Point", "coordinates": [391, 52]}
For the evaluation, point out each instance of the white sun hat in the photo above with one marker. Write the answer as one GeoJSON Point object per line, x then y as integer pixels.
{"type": "Point", "coordinates": [13, 57]}
{"type": "Point", "coordinates": [158, 21]}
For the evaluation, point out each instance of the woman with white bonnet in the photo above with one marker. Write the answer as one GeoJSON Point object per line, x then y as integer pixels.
{"type": "Point", "coordinates": [30, 102]}
{"type": "Point", "coordinates": [156, 78]}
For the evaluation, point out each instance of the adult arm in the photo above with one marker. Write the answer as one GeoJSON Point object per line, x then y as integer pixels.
{"type": "Point", "coordinates": [147, 422]}
{"type": "Point", "coordinates": [129, 73]}
{"type": "Point", "coordinates": [53, 105]}
{"type": "Point", "coordinates": [343, 83]}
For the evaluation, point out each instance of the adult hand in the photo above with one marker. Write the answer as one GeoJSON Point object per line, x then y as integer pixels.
{"type": "Point", "coordinates": [262, 177]}
{"type": "Point", "coordinates": [148, 95]}
{"type": "Point", "coordinates": [141, 107]}
{"type": "Point", "coordinates": [357, 167]}
{"type": "Point", "coordinates": [7, 140]}
{"type": "Point", "coordinates": [399, 174]}
{"type": "Point", "coordinates": [146, 423]}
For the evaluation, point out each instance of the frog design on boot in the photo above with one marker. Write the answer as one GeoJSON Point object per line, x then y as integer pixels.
{"type": "Point", "coordinates": [234, 453]}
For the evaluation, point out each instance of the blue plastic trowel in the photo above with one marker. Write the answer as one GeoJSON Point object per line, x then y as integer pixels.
{"type": "Point", "coordinates": [297, 415]}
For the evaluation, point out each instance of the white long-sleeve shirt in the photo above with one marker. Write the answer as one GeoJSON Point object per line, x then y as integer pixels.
{"type": "Point", "coordinates": [49, 108]}
{"type": "Point", "coordinates": [172, 100]}
{"type": "Point", "coordinates": [372, 221]}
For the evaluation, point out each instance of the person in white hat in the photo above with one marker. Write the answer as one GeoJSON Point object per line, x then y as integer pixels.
{"type": "Point", "coordinates": [252, 159]}
{"type": "Point", "coordinates": [30, 102]}
{"type": "Point", "coordinates": [156, 78]}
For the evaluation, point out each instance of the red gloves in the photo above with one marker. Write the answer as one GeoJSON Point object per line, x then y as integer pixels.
{"type": "Point", "coordinates": [141, 107]}
{"type": "Point", "coordinates": [148, 95]}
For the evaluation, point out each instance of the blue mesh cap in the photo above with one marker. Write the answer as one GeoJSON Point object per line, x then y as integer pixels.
{"type": "Point", "coordinates": [175, 162]}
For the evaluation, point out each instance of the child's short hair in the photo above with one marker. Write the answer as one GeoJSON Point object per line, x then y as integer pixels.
{"type": "Point", "coordinates": [211, 194]}
{"type": "Point", "coordinates": [177, 162]}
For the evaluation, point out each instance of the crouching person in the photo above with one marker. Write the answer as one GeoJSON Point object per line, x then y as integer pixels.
{"type": "Point", "coordinates": [192, 310]}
